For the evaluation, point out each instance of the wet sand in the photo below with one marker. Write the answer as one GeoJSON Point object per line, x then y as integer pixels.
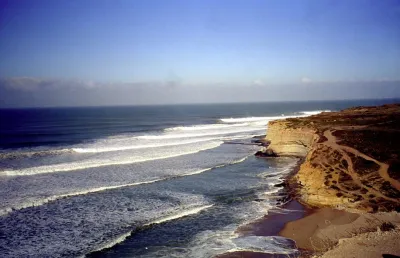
{"type": "Point", "coordinates": [305, 230]}
{"type": "Point", "coordinates": [270, 225]}
{"type": "Point", "coordinates": [248, 254]}
{"type": "Point", "coordinates": [275, 220]}
{"type": "Point", "coordinates": [327, 228]}
{"type": "Point", "coordinates": [315, 230]}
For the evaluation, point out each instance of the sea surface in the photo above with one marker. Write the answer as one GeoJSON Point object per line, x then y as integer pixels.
{"type": "Point", "coordinates": [141, 181]}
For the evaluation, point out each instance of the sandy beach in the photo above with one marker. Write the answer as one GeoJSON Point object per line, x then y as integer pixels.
{"type": "Point", "coordinates": [270, 225]}
{"type": "Point", "coordinates": [326, 227]}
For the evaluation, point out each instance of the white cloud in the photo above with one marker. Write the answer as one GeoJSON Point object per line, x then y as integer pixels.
{"type": "Point", "coordinates": [30, 84]}
{"type": "Point", "coordinates": [306, 80]}
{"type": "Point", "coordinates": [258, 82]}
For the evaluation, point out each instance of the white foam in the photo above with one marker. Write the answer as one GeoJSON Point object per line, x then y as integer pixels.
{"type": "Point", "coordinates": [208, 243]}
{"type": "Point", "coordinates": [267, 244]}
{"type": "Point", "coordinates": [218, 166]}
{"type": "Point", "coordinates": [268, 194]}
{"type": "Point", "coordinates": [133, 147]}
{"type": "Point", "coordinates": [250, 119]}
{"type": "Point", "coordinates": [114, 242]}
{"type": "Point", "coordinates": [43, 201]}
{"type": "Point", "coordinates": [64, 167]}
{"type": "Point", "coordinates": [203, 127]}
{"type": "Point", "coordinates": [128, 144]}
{"type": "Point", "coordinates": [269, 118]}
{"type": "Point", "coordinates": [211, 243]}
{"type": "Point", "coordinates": [180, 215]}
{"type": "Point", "coordinates": [310, 113]}
{"type": "Point", "coordinates": [124, 236]}
{"type": "Point", "coordinates": [188, 135]}
{"type": "Point", "coordinates": [32, 152]}
{"type": "Point", "coordinates": [56, 197]}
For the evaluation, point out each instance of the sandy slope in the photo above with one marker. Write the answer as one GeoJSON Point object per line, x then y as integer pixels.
{"type": "Point", "coordinates": [371, 245]}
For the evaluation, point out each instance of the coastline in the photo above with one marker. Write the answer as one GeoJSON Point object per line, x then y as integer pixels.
{"type": "Point", "coordinates": [276, 219]}
{"type": "Point", "coordinates": [241, 193]}
{"type": "Point", "coordinates": [353, 195]}
{"type": "Point", "coordinates": [347, 190]}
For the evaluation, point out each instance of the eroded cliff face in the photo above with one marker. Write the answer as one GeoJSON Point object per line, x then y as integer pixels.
{"type": "Point", "coordinates": [313, 178]}
{"type": "Point", "coordinates": [351, 158]}
{"type": "Point", "coordinates": [287, 141]}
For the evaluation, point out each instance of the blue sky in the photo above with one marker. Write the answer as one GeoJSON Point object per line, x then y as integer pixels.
{"type": "Point", "coordinates": [201, 43]}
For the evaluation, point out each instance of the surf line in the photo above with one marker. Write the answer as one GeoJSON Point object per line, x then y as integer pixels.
{"type": "Point", "coordinates": [105, 188]}
{"type": "Point", "coordinates": [111, 149]}
{"type": "Point", "coordinates": [268, 118]}
{"type": "Point", "coordinates": [124, 236]}
{"type": "Point", "coordinates": [65, 167]}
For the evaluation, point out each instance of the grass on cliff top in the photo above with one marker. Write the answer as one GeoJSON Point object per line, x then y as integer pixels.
{"type": "Point", "coordinates": [374, 131]}
{"type": "Point", "coordinates": [387, 116]}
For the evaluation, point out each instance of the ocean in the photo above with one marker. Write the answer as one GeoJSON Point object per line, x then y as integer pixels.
{"type": "Point", "coordinates": [141, 181]}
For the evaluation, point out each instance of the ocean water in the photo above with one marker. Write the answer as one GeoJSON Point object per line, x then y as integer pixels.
{"type": "Point", "coordinates": [149, 181]}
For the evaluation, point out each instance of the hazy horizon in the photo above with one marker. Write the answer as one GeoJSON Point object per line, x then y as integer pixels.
{"type": "Point", "coordinates": [106, 53]}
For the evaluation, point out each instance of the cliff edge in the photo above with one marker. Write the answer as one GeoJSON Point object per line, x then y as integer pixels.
{"type": "Point", "coordinates": [351, 157]}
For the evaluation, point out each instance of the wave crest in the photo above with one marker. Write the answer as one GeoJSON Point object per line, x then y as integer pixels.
{"type": "Point", "coordinates": [310, 113]}
{"type": "Point", "coordinates": [64, 167]}
{"type": "Point", "coordinates": [203, 127]}
{"type": "Point", "coordinates": [269, 118]}
{"type": "Point", "coordinates": [43, 201]}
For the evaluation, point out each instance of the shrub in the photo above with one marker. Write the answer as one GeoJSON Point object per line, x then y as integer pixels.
{"type": "Point", "coordinates": [387, 226]}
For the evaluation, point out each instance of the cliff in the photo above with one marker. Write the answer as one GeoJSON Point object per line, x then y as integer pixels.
{"type": "Point", "coordinates": [351, 157]}
{"type": "Point", "coordinates": [288, 141]}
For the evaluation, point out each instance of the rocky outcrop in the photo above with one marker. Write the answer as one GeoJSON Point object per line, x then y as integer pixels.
{"type": "Point", "coordinates": [287, 141]}
{"type": "Point", "coordinates": [266, 153]}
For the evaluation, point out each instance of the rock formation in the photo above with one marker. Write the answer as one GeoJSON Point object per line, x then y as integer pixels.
{"type": "Point", "coordinates": [288, 141]}
{"type": "Point", "coordinates": [351, 158]}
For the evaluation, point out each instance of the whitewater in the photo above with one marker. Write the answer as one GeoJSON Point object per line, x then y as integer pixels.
{"type": "Point", "coordinates": [129, 189]}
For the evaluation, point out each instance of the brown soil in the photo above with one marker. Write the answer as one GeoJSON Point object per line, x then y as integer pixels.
{"type": "Point", "coordinates": [358, 152]}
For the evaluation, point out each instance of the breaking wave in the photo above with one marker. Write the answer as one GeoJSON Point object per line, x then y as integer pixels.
{"type": "Point", "coordinates": [310, 113]}
{"type": "Point", "coordinates": [180, 215]}
{"type": "Point", "coordinates": [184, 213]}
{"type": "Point", "coordinates": [133, 147]}
{"type": "Point", "coordinates": [203, 127]}
{"type": "Point", "coordinates": [269, 118]}
{"type": "Point", "coordinates": [33, 153]}
{"type": "Point", "coordinates": [111, 144]}
{"type": "Point", "coordinates": [54, 198]}
{"type": "Point", "coordinates": [63, 167]}
{"type": "Point", "coordinates": [183, 135]}
{"type": "Point", "coordinates": [265, 244]}
{"type": "Point", "coordinates": [43, 201]}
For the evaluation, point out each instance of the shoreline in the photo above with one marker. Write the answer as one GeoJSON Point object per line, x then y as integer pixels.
{"type": "Point", "coordinates": [319, 231]}
{"type": "Point", "coordinates": [347, 179]}
{"type": "Point", "coordinates": [352, 187]}
{"type": "Point", "coordinates": [276, 219]}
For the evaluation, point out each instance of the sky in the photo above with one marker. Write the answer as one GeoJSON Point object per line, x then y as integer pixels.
{"type": "Point", "coordinates": [133, 52]}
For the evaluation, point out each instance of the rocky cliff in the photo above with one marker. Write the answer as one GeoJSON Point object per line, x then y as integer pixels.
{"type": "Point", "coordinates": [351, 158]}
{"type": "Point", "coordinates": [288, 141]}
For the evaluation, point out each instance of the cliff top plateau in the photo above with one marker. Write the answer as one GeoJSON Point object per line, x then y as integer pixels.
{"type": "Point", "coordinates": [352, 156]}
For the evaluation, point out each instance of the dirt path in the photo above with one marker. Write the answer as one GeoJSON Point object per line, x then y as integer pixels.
{"type": "Point", "coordinates": [343, 150]}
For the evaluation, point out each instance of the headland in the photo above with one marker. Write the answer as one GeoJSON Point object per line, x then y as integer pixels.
{"type": "Point", "coordinates": [350, 175]}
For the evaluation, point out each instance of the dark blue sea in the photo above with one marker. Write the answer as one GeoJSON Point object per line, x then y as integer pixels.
{"type": "Point", "coordinates": [141, 181]}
